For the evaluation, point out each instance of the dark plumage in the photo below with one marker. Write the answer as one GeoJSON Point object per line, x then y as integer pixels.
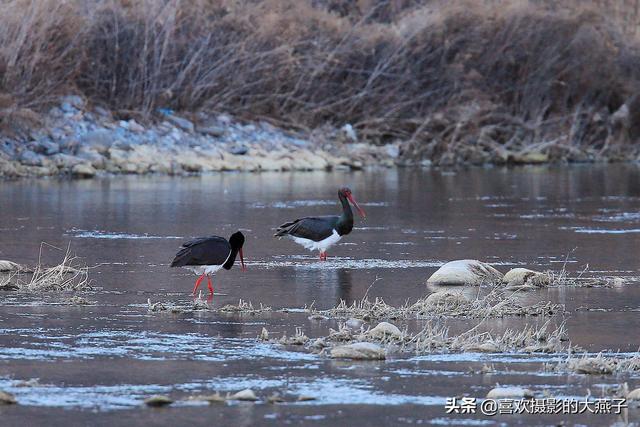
{"type": "Point", "coordinates": [321, 232]}
{"type": "Point", "coordinates": [206, 255]}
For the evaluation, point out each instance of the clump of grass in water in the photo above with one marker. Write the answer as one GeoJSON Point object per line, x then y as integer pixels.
{"type": "Point", "coordinates": [243, 307]}
{"type": "Point", "coordinates": [497, 303]}
{"type": "Point", "coordinates": [600, 364]}
{"type": "Point", "coordinates": [69, 275]}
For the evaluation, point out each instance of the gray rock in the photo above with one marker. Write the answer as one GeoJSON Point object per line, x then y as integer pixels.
{"type": "Point", "coordinates": [96, 159]}
{"type": "Point", "coordinates": [358, 351]}
{"type": "Point", "coordinates": [224, 119]}
{"type": "Point", "coordinates": [211, 130]}
{"type": "Point", "coordinates": [465, 272]}
{"type": "Point", "coordinates": [181, 122]}
{"type": "Point", "coordinates": [246, 395]}
{"type": "Point", "coordinates": [393, 151]}
{"type": "Point", "coordinates": [349, 132]}
{"type": "Point", "coordinates": [135, 126]}
{"type": "Point", "coordinates": [74, 101]}
{"type": "Point", "coordinates": [105, 114]}
{"type": "Point", "coordinates": [353, 323]}
{"type": "Point", "coordinates": [511, 392]}
{"type": "Point", "coordinates": [384, 330]}
{"type": "Point", "coordinates": [29, 158]}
{"type": "Point", "coordinates": [65, 161]}
{"type": "Point", "coordinates": [239, 150]}
{"type": "Point", "coordinates": [45, 146]}
{"type": "Point", "coordinates": [68, 108]}
{"type": "Point", "coordinates": [523, 277]}
{"type": "Point", "coordinates": [83, 170]}
{"type": "Point", "coordinates": [99, 140]}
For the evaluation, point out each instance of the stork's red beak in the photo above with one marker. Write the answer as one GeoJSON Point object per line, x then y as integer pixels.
{"type": "Point", "coordinates": [244, 268]}
{"type": "Point", "coordinates": [354, 203]}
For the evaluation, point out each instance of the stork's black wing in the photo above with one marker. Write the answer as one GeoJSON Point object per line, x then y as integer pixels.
{"type": "Point", "coordinates": [213, 250]}
{"type": "Point", "coordinates": [315, 228]}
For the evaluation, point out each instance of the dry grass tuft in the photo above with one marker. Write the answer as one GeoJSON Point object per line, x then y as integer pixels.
{"type": "Point", "coordinates": [244, 307]}
{"type": "Point", "coordinates": [69, 275]}
{"type": "Point", "coordinates": [600, 364]}
{"type": "Point", "coordinates": [498, 302]}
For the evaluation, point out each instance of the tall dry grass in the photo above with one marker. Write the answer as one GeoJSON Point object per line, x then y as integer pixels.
{"type": "Point", "coordinates": [440, 74]}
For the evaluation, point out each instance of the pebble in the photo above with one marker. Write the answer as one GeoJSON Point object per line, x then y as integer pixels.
{"type": "Point", "coordinates": [354, 324]}
{"type": "Point", "coordinates": [509, 393]}
{"type": "Point", "coordinates": [384, 330]}
{"type": "Point", "coordinates": [7, 398]}
{"type": "Point", "coordinates": [158, 401]}
{"type": "Point", "coordinates": [244, 395]}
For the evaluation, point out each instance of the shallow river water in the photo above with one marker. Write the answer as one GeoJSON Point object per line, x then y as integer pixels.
{"type": "Point", "coordinates": [95, 364]}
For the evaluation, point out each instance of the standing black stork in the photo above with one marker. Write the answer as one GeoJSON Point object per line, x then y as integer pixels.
{"type": "Point", "coordinates": [322, 232]}
{"type": "Point", "coordinates": [206, 255]}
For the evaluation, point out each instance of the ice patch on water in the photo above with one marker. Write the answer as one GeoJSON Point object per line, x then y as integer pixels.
{"type": "Point", "coordinates": [620, 217]}
{"type": "Point", "coordinates": [333, 391]}
{"type": "Point", "coordinates": [101, 234]}
{"type": "Point", "coordinates": [587, 230]}
{"type": "Point", "coordinates": [338, 263]}
{"type": "Point", "coordinates": [306, 203]}
{"type": "Point", "coordinates": [144, 345]}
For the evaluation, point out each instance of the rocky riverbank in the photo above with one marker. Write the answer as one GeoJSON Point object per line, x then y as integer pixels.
{"type": "Point", "coordinates": [76, 140]}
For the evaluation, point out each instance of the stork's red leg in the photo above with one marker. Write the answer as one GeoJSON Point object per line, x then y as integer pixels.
{"type": "Point", "coordinates": [323, 256]}
{"type": "Point", "coordinates": [195, 288]}
{"type": "Point", "coordinates": [210, 285]}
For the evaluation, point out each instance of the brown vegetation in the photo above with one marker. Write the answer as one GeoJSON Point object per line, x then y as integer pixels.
{"type": "Point", "coordinates": [462, 81]}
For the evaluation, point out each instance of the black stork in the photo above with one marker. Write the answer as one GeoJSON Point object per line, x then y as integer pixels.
{"type": "Point", "coordinates": [206, 255]}
{"type": "Point", "coordinates": [321, 232]}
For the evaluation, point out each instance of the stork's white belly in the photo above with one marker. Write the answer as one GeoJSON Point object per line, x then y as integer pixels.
{"type": "Point", "coordinates": [204, 269]}
{"type": "Point", "coordinates": [322, 245]}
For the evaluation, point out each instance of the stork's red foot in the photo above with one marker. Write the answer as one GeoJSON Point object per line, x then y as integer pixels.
{"type": "Point", "coordinates": [200, 279]}
{"type": "Point", "coordinates": [323, 256]}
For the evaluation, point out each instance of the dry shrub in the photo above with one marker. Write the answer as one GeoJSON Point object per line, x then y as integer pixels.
{"type": "Point", "coordinates": [69, 275]}
{"type": "Point", "coordinates": [461, 80]}
{"type": "Point", "coordinates": [600, 364]}
{"type": "Point", "coordinates": [39, 50]}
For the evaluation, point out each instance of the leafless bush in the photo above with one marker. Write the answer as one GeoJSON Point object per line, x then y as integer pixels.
{"type": "Point", "coordinates": [463, 81]}
{"type": "Point", "coordinates": [69, 275]}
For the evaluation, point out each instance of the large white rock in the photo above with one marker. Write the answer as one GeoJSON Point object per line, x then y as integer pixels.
{"type": "Point", "coordinates": [634, 395]}
{"type": "Point", "coordinates": [465, 272]}
{"type": "Point", "coordinates": [384, 330]}
{"type": "Point", "coordinates": [358, 351]}
{"type": "Point", "coordinates": [6, 265]}
{"type": "Point", "coordinates": [509, 393]}
{"type": "Point", "coordinates": [246, 395]}
{"type": "Point", "coordinates": [519, 277]}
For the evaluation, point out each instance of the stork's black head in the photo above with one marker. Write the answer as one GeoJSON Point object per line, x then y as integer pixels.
{"type": "Point", "coordinates": [345, 193]}
{"type": "Point", "coordinates": [237, 241]}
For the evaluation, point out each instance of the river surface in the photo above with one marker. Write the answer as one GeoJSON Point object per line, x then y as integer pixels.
{"type": "Point", "coordinates": [95, 364]}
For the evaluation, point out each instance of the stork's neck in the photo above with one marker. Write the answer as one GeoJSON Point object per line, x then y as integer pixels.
{"type": "Point", "coordinates": [345, 221]}
{"type": "Point", "coordinates": [232, 258]}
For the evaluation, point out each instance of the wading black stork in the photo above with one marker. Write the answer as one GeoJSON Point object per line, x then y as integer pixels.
{"type": "Point", "coordinates": [206, 255]}
{"type": "Point", "coordinates": [322, 232]}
